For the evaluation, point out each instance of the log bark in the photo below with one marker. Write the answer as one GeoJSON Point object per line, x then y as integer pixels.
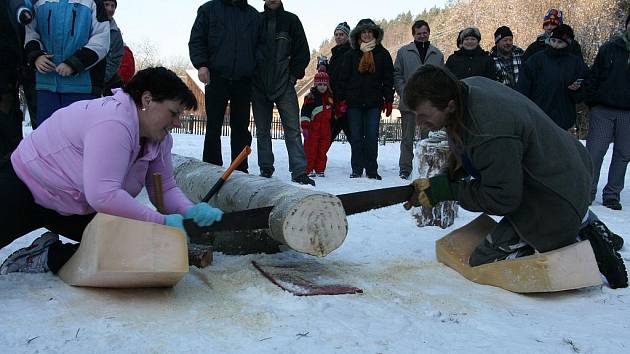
{"type": "Point", "coordinates": [305, 220]}
{"type": "Point", "coordinates": [432, 155]}
{"type": "Point", "coordinates": [199, 256]}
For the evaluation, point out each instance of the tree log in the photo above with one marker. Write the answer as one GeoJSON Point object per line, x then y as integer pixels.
{"type": "Point", "coordinates": [432, 155]}
{"type": "Point", "coordinates": [305, 220]}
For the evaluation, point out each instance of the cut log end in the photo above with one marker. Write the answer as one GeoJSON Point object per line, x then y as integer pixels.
{"type": "Point", "coordinates": [199, 256]}
{"type": "Point", "coordinates": [315, 225]}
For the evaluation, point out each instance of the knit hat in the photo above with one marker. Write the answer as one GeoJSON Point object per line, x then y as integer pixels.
{"type": "Point", "coordinates": [563, 33]}
{"type": "Point", "coordinates": [554, 17]}
{"type": "Point", "coordinates": [114, 1]}
{"type": "Point", "coordinates": [459, 39]}
{"type": "Point", "coordinates": [470, 32]}
{"type": "Point", "coordinates": [344, 27]}
{"type": "Point", "coordinates": [502, 32]}
{"type": "Point", "coordinates": [321, 78]}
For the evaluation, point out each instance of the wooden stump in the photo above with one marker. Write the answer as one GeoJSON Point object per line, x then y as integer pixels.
{"type": "Point", "coordinates": [305, 220]}
{"type": "Point", "coordinates": [432, 155]}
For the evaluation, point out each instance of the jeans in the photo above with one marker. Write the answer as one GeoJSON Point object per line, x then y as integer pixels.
{"type": "Point", "coordinates": [48, 102]}
{"type": "Point", "coordinates": [287, 105]}
{"type": "Point", "coordinates": [364, 125]}
{"type": "Point", "coordinates": [218, 92]}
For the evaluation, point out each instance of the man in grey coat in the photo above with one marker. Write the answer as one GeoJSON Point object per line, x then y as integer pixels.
{"type": "Point", "coordinates": [115, 54]}
{"type": "Point", "coordinates": [409, 58]}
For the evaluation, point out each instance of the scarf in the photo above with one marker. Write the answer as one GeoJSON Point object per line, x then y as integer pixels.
{"type": "Point", "coordinates": [366, 65]}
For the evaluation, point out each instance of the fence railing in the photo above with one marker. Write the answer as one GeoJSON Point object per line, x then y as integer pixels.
{"type": "Point", "coordinates": [193, 124]}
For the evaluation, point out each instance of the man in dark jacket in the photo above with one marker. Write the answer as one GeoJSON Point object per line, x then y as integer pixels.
{"type": "Point", "coordinates": [507, 57]}
{"type": "Point", "coordinates": [285, 57]}
{"type": "Point", "coordinates": [552, 78]}
{"type": "Point", "coordinates": [342, 39]}
{"type": "Point", "coordinates": [470, 59]}
{"type": "Point", "coordinates": [553, 19]}
{"type": "Point", "coordinates": [609, 94]}
{"type": "Point", "coordinates": [223, 46]}
{"type": "Point", "coordinates": [12, 67]}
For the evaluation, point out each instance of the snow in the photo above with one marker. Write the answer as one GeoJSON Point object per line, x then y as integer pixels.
{"type": "Point", "coordinates": [411, 303]}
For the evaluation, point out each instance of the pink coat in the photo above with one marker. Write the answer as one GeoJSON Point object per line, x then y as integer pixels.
{"type": "Point", "coordinates": [87, 158]}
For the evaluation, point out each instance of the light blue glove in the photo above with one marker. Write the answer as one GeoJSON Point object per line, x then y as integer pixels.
{"type": "Point", "coordinates": [203, 214]}
{"type": "Point", "coordinates": [176, 221]}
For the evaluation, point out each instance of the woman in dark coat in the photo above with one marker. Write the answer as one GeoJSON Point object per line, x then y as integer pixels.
{"type": "Point", "coordinates": [552, 78]}
{"type": "Point", "coordinates": [470, 59]}
{"type": "Point", "coordinates": [366, 88]}
{"type": "Point", "coordinates": [510, 160]}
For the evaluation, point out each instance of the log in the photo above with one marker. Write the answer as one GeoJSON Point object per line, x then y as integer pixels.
{"type": "Point", "coordinates": [199, 256]}
{"type": "Point", "coordinates": [305, 220]}
{"type": "Point", "coordinates": [432, 155]}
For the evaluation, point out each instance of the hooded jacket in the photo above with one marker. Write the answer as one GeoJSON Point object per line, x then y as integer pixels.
{"type": "Point", "coordinates": [545, 80]}
{"type": "Point", "coordinates": [225, 38]}
{"type": "Point", "coordinates": [476, 62]}
{"type": "Point", "coordinates": [75, 32]}
{"type": "Point", "coordinates": [366, 90]}
{"type": "Point", "coordinates": [609, 81]}
{"type": "Point", "coordinates": [408, 61]}
{"type": "Point", "coordinates": [285, 53]}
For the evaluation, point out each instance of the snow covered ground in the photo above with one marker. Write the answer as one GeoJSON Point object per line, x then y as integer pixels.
{"type": "Point", "coordinates": [411, 303]}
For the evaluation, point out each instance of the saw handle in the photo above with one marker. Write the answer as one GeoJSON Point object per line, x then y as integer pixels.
{"type": "Point", "coordinates": [237, 161]}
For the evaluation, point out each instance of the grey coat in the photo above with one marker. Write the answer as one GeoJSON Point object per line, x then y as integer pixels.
{"type": "Point", "coordinates": [407, 62]}
{"type": "Point", "coordinates": [530, 170]}
{"type": "Point", "coordinates": [115, 54]}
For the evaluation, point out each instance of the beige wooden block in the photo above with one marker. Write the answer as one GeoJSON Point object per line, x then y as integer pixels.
{"type": "Point", "coordinates": [570, 267]}
{"type": "Point", "coordinates": [123, 253]}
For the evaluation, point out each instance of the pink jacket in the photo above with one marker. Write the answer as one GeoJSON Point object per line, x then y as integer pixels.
{"type": "Point", "coordinates": [86, 158]}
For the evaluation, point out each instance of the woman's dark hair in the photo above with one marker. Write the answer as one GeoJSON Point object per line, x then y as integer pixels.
{"type": "Point", "coordinates": [438, 86]}
{"type": "Point", "coordinates": [419, 24]}
{"type": "Point", "coordinates": [163, 85]}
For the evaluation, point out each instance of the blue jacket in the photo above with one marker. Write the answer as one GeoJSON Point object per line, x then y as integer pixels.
{"type": "Point", "coordinates": [75, 32]}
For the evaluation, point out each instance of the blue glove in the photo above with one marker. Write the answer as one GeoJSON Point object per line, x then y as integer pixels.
{"type": "Point", "coordinates": [203, 214]}
{"type": "Point", "coordinates": [176, 221]}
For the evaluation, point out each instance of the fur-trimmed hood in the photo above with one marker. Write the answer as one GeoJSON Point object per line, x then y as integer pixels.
{"type": "Point", "coordinates": [355, 34]}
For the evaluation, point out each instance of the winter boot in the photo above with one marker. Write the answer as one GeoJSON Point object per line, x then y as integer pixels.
{"type": "Point", "coordinates": [612, 204]}
{"type": "Point", "coordinates": [609, 261]}
{"type": "Point", "coordinates": [32, 259]}
{"type": "Point", "coordinates": [502, 244]}
{"type": "Point", "coordinates": [303, 179]}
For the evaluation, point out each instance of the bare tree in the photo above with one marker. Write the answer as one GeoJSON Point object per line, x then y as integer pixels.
{"type": "Point", "coordinates": [145, 54]}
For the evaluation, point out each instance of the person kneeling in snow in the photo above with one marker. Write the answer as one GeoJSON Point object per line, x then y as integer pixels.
{"type": "Point", "coordinates": [317, 112]}
{"type": "Point", "coordinates": [95, 156]}
{"type": "Point", "coordinates": [508, 158]}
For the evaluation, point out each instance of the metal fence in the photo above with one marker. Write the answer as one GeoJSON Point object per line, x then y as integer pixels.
{"type": "Point", "coordinates": [191, 124]}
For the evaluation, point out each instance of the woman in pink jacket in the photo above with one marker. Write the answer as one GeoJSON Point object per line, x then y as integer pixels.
{"type": "Point", "coordinates": [95, 157]}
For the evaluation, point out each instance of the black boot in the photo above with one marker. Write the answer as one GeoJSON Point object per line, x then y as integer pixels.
{"type": "Point", "coordinates": [303, 179]}
{"type": "Point", "coordinates": [609, 261]}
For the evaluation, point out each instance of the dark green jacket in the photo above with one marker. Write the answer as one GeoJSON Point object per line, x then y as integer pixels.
{"type": "Point", "coordinates": [531, 171]}
{"type": "Point", "coordinates": [609, 82]}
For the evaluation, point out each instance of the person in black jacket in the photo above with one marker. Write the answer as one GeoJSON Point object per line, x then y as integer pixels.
{"type": "Point", "coordinates": [553, 19]}
{"type": "Point", "coordinates": [342, 39]}
{"type": "Point", "coordinates": [609, 93]}
{"type": "Point", "coordinates": [223, 46]}
{"type": "Point", "coordinates": [285, 56]}
{"type": "Point", "coordinates": [552, 79]}
{"type": "Point", "coordinates": [13, 72]}
{"type": "Point", "coordinates": [366, 88]}
{"type": "Point", "coordinates": [470, 59]}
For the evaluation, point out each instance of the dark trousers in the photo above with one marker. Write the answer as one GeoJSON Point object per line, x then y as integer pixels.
{"type": "Point", "coordinates": [337, 125]}
{"type": "Point", "coordinates": [218, 92]}
{"type": "Point", "coordinates": [10, 114]}
{"type": "Point", "coordinates": [364, 124]}
{"type": "Point", "coordinates": [48, 102]}
{"type": "Point", "coordinates": [19, 215]}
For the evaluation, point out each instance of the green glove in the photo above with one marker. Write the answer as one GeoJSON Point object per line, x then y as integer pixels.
{"type": "Point", "coordinates": [441, 189]}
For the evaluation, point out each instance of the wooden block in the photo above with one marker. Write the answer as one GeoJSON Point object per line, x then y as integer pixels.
{"type": "Point", "coordinates": [567, 268]}
{"type": "Point", "coordinates": [123, 253]}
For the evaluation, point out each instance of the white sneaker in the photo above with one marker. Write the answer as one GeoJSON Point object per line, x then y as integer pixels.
{"type": "Point", "coordinates": [31, 259]}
